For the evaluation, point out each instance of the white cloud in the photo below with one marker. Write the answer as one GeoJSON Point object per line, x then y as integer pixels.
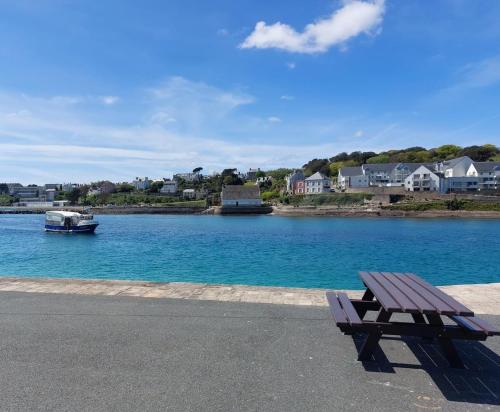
{"type": "Point", "coordinates": [480, 74]}
{"type": "Point", "coordinates": [109, 100]}
{"type": "Point", "coordinates": [197, 107]}
{"type": "Point", "coordinates": [179, 89]}
{"type": "Point", "coordinates": [274, 119]}
{"type": "Point", "coordinates": [67, 100]}
{"type": "Point", "coordinates": [162, 118]}
{"type": "Point", "coordinates": [354, 18]}
{"type": "Point", "coordinates": [291, 65]}
{"type": "Point", "coordinates": [287, 97]}
{"type": "Point", "coordinates": [359, 133]}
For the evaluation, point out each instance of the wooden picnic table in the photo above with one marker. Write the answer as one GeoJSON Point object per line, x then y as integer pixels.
{"type": "Point", "coordinates": [388, 293]}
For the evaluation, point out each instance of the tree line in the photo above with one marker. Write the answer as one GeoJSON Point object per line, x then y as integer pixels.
{"type": "Point", "coordinates": [417, 154]}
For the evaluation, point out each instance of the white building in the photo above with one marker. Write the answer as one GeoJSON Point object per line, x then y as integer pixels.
{"type": "Point", "coordinates": [69, 187]}
{"type": "Point", "coordinates": [455, 167]}
{"type": "Point", "coordinates": [352, 177]}
{"type": "Point", "coordinates": [488, 174]}
{"type": "Point", "coordinates": [188, 193]}
{"type": "Point", "coordinates": [169, 187]}
{"type": "Point", "coordinates": [424, 179]}
{"type": "Point", "coordinates": [317, 183]}
{"type": "Point", "coordinates": [189, 177]}
{"type": "Point", "coordinates": [236, 195]}
{"type": "Point", "coordinates": [141, 184]}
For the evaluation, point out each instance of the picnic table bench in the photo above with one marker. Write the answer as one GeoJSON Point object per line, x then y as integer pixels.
{"type": "Point", "coordinates": [388, 293]}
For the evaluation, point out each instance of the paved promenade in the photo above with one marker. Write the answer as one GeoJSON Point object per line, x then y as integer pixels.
{"type": "Point", "coordinates": [481, 298]}
{"type": "Point", "coordinates": [115, 353]}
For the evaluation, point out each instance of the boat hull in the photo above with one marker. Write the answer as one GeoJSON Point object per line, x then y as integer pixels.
{"type": "Point", "coordinates": [72, 229]}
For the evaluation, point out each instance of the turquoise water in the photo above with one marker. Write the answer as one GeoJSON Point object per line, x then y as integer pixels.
{"type": "Point", "coordinates": [254, 250]}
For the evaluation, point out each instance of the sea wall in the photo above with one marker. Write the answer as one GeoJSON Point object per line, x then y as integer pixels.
{"type": "Point", "coordinates": [481, 298]}
{"type": "Point", "coordinates": [148, 210]}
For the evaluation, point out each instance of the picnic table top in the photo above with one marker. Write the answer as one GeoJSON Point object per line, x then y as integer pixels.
{"type": "Point", "coordinates": [408, 293]}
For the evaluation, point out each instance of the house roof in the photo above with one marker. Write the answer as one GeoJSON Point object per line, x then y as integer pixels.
{"type": "Point", "coordinates": [485, 167]}
{"type": "Point", "coordinates": [414, 166]}
{"type": "Point", "coordinates": [453, 162]}
{"type": "Point", "coordinates": [316, 176]}
{"type": "Point", "coordinates": [351, 171]}
{"type": "Point", "coordinates": [236, 192]}
{"type": "Point", "coordinates": [380, 167]}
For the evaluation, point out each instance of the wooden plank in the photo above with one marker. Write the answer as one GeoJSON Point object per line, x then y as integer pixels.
{"type": "Point", "coordinates": [407, 305]}
{"type": "Point", "coordinates": [422, 305]}
{"type": "Point", "coordinates": [440, 306]}
{"type": "Point", "coordinates": [465, 322]}
{"type": "Point", "coordinates": [336, 310]}
{"type": "Point", "coordinates": [447, 299]}
{"type": "Point", "coordinates": [349, 310]}
{"type": "Point", "coordinates": [490, 329]}
{"type": "Point", "coordinates": [476, 325]}
{"type": "Point", "coordinates": [385, 299]}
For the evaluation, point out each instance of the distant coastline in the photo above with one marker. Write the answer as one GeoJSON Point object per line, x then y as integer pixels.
{"type": "Point", "coordinates": [317, 211]}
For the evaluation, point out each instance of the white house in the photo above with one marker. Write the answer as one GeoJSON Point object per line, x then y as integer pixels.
{"type": "Point", "coordinates": [424, 179]}
{"type": "Point", "coordinates": [188, 193]}
{"type": "Point", "coordinates": [379, 174]}
{"type": "Point", "coordinates": [169, 187]}
{"type": "Point", "coordinates": [488, 174]}
{"type": "Point", "coordinates": [141, 184]}
{"type": "Point", "coordinates": [455, 167]}
{"type": "Point", "coordinates": [352, 177]}
{"type": "Point", "coordinates": [189, 177]}
{"type": "Point", "coordinates": [317, 183]}
{"type": "Point", "coordinates": [237, 195]}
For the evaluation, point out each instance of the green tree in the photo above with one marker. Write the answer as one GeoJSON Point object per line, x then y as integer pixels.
{"type": "Point", "coordinates": [336, 166]}
{"type": "Point", "coordinates": [479, 153]}
{"type": "Point", "coordinates": [6, 200]}
{"type": "Point", "coordinates": [74, 196]}
{"type": "Point", "coordinates": [447, 151]}
{"type": "Point", "coordinates": [124, 188]}
{"type": "Point", "coordinates": [155, 187]}
{"type": "Point", "coordinates": [382, 158]}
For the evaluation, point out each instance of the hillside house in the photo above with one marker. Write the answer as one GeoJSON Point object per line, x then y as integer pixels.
{"type": "Point", "coordinates": [352, 177]}
{"type": "Point", "coordinates": [488, 174]}
{"type": "Point", "coordinates": [317, 183]}
{"type": "Point", "coordinates": [423, 179]}
{"type": "Point", "coordinates": [292, 179]}
{"type": "Point", "coordinates": [169, 187]}
{"type": "Point", "coordinates": [455, 167]}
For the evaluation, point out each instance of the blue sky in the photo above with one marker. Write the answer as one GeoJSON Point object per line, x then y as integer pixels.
{"type": "Point", "coordinates": [110, 89]}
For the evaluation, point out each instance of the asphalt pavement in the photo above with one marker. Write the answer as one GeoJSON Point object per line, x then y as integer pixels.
{"type": "Point", "coordinates": [86, 353]}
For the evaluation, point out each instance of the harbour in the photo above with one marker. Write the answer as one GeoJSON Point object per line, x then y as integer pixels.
{"type": "Point", "coordinates": [304, 252]}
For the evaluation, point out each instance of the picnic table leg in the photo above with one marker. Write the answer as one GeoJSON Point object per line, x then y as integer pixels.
{"type": "Point", "coordinates": [373, 338]}
{"type": "Point", "coordinates": [419, 318]}
{"type": "Point", "coordinates": [369, 345]}
{"type": "Point", "coordinates": [446, 344]}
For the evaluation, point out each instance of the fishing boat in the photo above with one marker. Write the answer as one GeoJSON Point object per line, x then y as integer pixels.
{"type": "Point", "coordinates": [69, 222]}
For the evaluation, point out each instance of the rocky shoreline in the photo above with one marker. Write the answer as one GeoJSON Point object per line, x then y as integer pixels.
{"type": "Point", "coordinates": [360, 212]}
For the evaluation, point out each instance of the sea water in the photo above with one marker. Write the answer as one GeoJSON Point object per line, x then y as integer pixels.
{"type": "Point", "coordinates": [310, 252]}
